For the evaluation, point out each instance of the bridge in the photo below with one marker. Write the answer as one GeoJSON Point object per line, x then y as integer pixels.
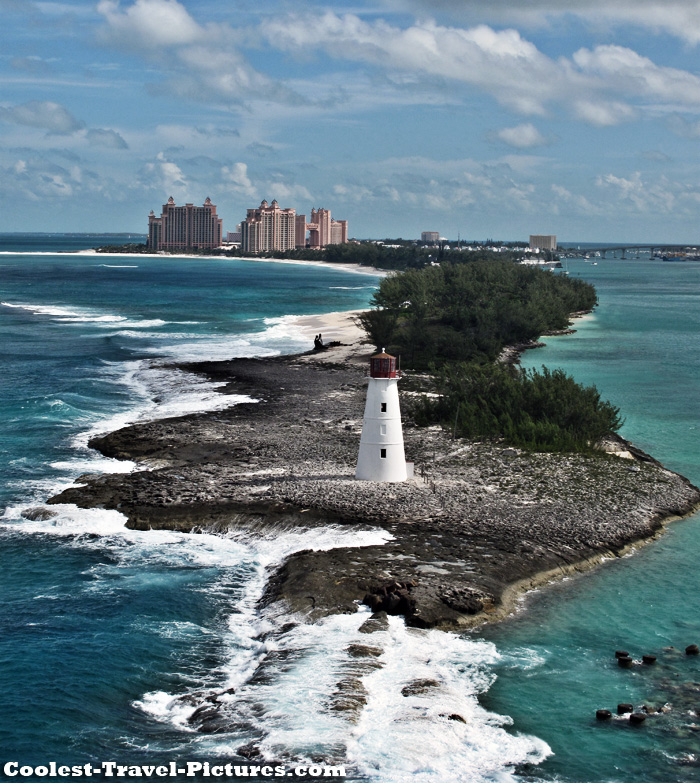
{"type": "Point", "coordinates": [624, 249]}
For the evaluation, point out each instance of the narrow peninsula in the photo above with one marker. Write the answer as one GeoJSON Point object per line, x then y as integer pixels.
{"type": "Point", "coordinates": [480, 522]}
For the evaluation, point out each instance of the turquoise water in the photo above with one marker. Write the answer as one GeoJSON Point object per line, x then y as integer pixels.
{"type": "Point", "coordinates": [112, 639]}
{"type": "Point", "coordinates": [640, 349]}
{"type": "Point", "coordinates": [104, 629]}
{"type": "Point", "coordinates": [94, 617]}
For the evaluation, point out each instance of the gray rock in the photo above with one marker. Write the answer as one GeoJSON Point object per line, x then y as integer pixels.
{"type": "Point", "coordinates": [289, 464]}
{"type": "Point", "coordinates": [39, 514]}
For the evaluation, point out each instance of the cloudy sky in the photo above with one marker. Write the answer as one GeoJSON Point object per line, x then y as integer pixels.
{"type": "Point", "coordinates": [495, 118]}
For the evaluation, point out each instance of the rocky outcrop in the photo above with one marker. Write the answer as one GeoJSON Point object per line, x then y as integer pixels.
{"type": "Point", "coordinates": [477, 522]}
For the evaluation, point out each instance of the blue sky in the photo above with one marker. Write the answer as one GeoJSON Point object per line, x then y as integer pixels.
{"type": "Point", "coordinates": [486, 119]}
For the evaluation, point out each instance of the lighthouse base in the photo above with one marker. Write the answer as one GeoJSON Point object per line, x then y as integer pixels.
{"type": "Point", "coordinates": [372, 466]}
{"type": "Point", "coordinates": [388, 479]}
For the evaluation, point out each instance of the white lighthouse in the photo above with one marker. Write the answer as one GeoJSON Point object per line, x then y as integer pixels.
{"type": "Point", "coordinates": [381, 456]}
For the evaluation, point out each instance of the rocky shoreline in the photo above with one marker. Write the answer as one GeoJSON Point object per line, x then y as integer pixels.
{"type": "Point", "coordinates": [479, 524]}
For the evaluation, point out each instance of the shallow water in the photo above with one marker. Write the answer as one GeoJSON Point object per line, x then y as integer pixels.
{"type": "Point", "coordinates": [640, 349]}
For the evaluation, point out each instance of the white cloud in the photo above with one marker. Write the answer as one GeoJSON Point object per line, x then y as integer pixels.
{"type": "Point", "coordinates": [167, 177]}
{"type": "Point", "coordinates": [501, 62]}
{"type": "Point", "coordinates": [634, 193]}
{"type": "Point", "coordinates": [598, 85]}
{"type": "Point", "coordinates": [678, 17]}
{"type": "Point", "coordinates": [150, 24]}
{"type": "Point", "coordinates": [46, 115]}
{"type": "Point", "coordinates": [237, 179]}
{"type": "Point", "coordinates": [628, 72]}
{"type": "Point", "coordinates": [566, 201]}
{"type": "Point", "coordinates": [201, 63]}
{"type": "Point", "coordinates": [222, 74]}
{"type": "Point", "coordinates": [36, 179]}
{"type": "Point", "coordinates": [522, 136]}
{"type": "Point", "coordinates": [604, 113]}
{"type": "Point", "coordinates": [290, 192]}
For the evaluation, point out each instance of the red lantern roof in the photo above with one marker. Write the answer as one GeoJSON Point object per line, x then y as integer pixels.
{"type": "Point", "coordinates": [383, 365]}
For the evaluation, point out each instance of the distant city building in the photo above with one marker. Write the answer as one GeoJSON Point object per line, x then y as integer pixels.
{"type": "Point", "coordinates": [234, 237]}
{"type": "Point", "coordinates": [339, 232]}
{"type": "Point", "coordinates": [430, 236]}
{"type": "Point", "coordinates": [300, 230]}
{"type": "Point", "coordinates": [268, 228]}
{"type": "Point", "coordinates": [543, 242]}
{"type": "Point", "coordinates": [320, 228]}
{"type": "Point", "coordinates": [325, 230]}
{"type": "Point", "coordinates": [271, 228]}
{"type": "Point", "coordinates": [185, 228]}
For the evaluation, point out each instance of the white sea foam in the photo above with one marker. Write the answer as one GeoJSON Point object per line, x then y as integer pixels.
{"type": "Point", "coordinates": [98, 465]}
{"type": "Point", "coordinates": [400, 735]}
{"type": "Point", "coordinates": [350, 287]}
{"type": "Point", "coordinates": [281, 336]}
{"type": "Point", "coordinates": [85, 316]}
{"type": "Point", "coordinates": [156, 392]}
{"type": "Point", "coordinates": [68, 520]}
{"type": "Point", "coordinates": [524, 658]}
{"type": "Point", "coordinates": [246, 648]}
{"type": "Point", "coordinates": [420, 735]}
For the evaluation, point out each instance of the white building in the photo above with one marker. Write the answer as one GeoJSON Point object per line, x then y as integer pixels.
{"type": "Point", "coordinates": [381, 456]}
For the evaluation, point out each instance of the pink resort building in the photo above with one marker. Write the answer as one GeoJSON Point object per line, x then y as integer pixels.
{"type": "Point", "coordinates": [270, 228]}
{"type": "Point", "coordinates": [185, 228]}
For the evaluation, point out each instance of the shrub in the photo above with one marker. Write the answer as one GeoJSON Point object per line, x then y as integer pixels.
{"type": "Point", "coordinates": [542, 411]}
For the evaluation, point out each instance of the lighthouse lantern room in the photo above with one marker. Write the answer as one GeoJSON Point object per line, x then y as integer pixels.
{"type": "Point", "coordinates": [381, 456]}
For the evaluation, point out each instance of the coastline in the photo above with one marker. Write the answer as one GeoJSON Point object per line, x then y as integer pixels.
{"type": "Point", "coordinates": [356, 268]}
{"type": "Point", "coordinates": [479, 526]}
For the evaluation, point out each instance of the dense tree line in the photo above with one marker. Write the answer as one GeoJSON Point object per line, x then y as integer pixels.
{"type": "Point", "coordinates": [542, 411]}
{"type": "Point", "coordinates": [398, 256]}
{"type": "Point", "coordinates": [455, 319]}
{"type": "Point", "coordinates": [128, 247]}
{"type": "Point", "coordinates": [470, 311]}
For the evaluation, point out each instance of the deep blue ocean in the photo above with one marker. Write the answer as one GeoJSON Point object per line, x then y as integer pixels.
{"type": "Point", "coordinates": [102, 629]}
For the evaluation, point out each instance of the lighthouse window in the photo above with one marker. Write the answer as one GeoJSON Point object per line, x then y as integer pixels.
{"type": "Point", "coordinates": [382, 453]}
{"type": "Point", "coordinates": [382, 429]}
{"type": "Point", "coordinates": [383, 408]}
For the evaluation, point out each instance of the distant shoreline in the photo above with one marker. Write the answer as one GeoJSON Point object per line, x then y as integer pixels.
{"type": "Point", "coordinates": [92, 253]}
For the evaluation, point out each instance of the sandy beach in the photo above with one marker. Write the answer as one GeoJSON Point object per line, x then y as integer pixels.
{"type": "Point", "coordinates": [341, 327]}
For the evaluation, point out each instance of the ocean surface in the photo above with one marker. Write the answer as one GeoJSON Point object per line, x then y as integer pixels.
{"type": "Point", "coordinates": [104, 630]}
